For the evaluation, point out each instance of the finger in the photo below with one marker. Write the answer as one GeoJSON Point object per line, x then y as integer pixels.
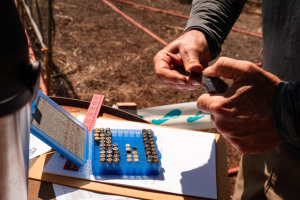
{"type": "Point", "coordinates": [195, 81]}
{"type": "Point", "coordinates": [191, 63]}
{"type": "Point", "coordinates": [175, 58]}
{"type": "Point", "coordinates": [190, 58]}
{"type": "Point", "coordinates": [163, 65]}
{"type": "Point", "coordinates": [210, 103]}
{"type": "Point", "coordinates": [228, 68]}
{"type": "Point", "coordinates": [194, 53]}
{"type": "Point", "coordinates": [209, 72]}
{"type": "Point", "coordinates": [189, 54]}
{"type": "Point", "coordinates": [171, 77]}
{"type": "Point", "coordinates": [214, 121]}
{"type": "Point", "coordinates": [172, 85]}
{"type": "Point", "coordinates": [177, 86]}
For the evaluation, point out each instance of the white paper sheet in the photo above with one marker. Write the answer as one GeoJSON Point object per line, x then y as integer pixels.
{"type": "Point", "coordinates": [69, 193]}
{"type": "Point", "coordinates": [37, 147]}
{"type": "Point", "coordinates": [188, 162]}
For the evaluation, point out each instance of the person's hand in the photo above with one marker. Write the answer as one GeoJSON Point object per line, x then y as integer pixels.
{"type": "Point", "coordinates": [243, 114]}
{"type": "Point", "coordinates": [189, 52]}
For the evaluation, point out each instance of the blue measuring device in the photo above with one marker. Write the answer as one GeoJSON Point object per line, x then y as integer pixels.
{"type": "Point", "coordinates": [59, 129]}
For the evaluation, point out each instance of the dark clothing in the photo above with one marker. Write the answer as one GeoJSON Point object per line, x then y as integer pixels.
{"type": "Point", "coordinates": [286, 116]}
{"type": "Point", "coordinates": [215, 19]}
{"type": "Point", "coordinates": [281, 38]}
{"type": "Point", "coordinates": [281, 57]}
{"type": "Point", "coordinates": [281, 54]}
{"type": "Point", "coordinates": [12, 35]}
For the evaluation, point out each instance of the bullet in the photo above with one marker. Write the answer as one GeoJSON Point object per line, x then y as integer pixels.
{"type": "Point", "coordinates": [189, 74]}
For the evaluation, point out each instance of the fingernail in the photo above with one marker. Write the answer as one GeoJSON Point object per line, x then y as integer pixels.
{"type": "Point", "coordinates": [181, 82]}
{"type": "Point", "coordinates": [196, 83]}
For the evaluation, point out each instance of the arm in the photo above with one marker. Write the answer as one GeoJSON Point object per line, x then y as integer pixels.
{"type": "Point", "coordinates": [215, 19]}
{"type": "Point", "coordinates": [207, 28]}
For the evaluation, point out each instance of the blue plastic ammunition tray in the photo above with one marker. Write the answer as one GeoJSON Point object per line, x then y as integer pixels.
{"type": "Point", "coordinates": [131, 153]}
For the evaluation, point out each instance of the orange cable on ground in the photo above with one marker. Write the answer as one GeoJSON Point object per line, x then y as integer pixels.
{"type": "Point", "coordinates": [31, 54]}
{"type": "Point", "coordinates": [153, 9]}
{"type": "Point", "coordinates": [183, 16]}
{"type": "Point", "coordinates": [247, 32]}
{"type": "Point", "coordinates": [136, 23]}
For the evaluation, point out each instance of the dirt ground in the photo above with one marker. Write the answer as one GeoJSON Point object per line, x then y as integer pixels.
{"type": "Point", "coordinates": [96, 50]}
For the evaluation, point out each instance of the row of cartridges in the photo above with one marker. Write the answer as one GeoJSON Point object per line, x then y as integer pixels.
{"type": "Point", "coordinates": [149, 145]}
{"type": "Point", "coordinates": [108, 152]}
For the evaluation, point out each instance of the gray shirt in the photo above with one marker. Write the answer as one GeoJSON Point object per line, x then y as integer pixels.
{"type": "Point", "coordinates": [281, 54]}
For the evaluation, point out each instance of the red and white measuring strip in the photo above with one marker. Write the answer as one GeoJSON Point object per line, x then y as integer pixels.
{"type": "Point", "coordinates": [93, 111]}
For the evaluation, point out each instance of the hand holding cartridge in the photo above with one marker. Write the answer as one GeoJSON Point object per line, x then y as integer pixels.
{"type": "Point", "coordinates": [189, 52]}
{"type": "Point", "coordinates": [243, 114]}
{"type": "Point", "coordinates": [211, 84]}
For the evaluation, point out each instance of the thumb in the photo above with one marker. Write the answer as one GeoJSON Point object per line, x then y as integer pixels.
{"type": "Point", "coordinates": [191, 62]}
{"type": "Point", "coordinates": [228, 68]}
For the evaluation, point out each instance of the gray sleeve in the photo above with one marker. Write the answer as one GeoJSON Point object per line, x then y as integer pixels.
{"type": "Point", "coordinates": [286, 111]}
{"type": "Point", "coordinates": [215, 19]}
